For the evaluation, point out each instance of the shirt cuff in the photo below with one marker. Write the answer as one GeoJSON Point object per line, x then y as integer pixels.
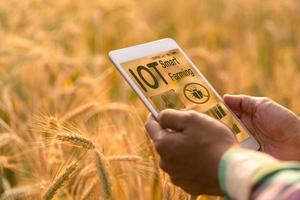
{"type": "Point", "coordinates": [237, 168]}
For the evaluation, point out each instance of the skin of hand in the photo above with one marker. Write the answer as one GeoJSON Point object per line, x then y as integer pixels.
{"type": "Point", "coordinates": [276, 128]}
{"type": "Point", "coordinates": [191, 152]}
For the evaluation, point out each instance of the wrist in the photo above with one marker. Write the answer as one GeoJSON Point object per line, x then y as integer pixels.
{"type": "Point", "coordinates": [223, 169]}
{"type": "Point", "coordinates": [233, 183]}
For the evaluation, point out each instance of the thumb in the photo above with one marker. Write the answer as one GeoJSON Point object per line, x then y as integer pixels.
{"type": "Point", "coordinates": [241, 103]}
{"type": "Point", "coordinates": [172, 119]}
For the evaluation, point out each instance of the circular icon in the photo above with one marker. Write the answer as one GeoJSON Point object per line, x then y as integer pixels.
{"type": "Point", "coordinates": [196, 93]}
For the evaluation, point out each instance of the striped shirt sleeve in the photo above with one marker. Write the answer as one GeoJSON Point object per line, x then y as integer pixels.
{"type": "Point", "coordinates": [246, 174]}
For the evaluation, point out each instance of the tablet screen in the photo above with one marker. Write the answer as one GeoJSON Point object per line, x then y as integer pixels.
{"type": "Point", "coordinates": [168, 80]}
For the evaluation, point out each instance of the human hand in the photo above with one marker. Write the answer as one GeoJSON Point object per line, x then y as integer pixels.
{"type": "Point", "coordinates": [276, 128]}
{"type": "Point", "coordinates": [191, 152]}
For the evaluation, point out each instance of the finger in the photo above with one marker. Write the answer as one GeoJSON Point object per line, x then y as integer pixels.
{"type": "Point", "coordinates": [165, 141]}
{"type": "Point", "coordinates": [153, 128]}
{"type": "Point", "coordinates": [241, 103]}
{"type": "Point", "coordinates": [172, 119]}
{"type": "Point", "coordinates": [167, 145]}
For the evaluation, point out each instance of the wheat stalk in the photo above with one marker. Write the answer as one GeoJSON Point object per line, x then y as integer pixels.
{"type": "Point", "coordinates": [74, 113]}
{"type": "Point", "coordinates": [87, 192]}
{"type": "Point", "coordinates": [124, 158]}
{"type": "Point", "coordinates": [75, 139]}
{"type": "Point", "coordinates": [102, 169]}
{"type": "Point", "coordinates": [16, 193]}
{"type": "Point", "coordinates": [60, 180]}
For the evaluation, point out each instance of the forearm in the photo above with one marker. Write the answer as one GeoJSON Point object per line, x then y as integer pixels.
{"type": "Point", "coordinates": [245, 174]}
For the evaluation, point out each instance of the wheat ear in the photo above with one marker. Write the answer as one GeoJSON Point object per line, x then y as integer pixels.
{"type": "Point", "coordinates": [75, 139]}
{"type": "Point", "coordinates": [59, 181]}
{"type": "Point", "coordinates": [102, 169]}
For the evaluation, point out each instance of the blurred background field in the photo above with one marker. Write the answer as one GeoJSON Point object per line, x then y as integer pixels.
{"type": "Point", "coordinates": [71, 128]}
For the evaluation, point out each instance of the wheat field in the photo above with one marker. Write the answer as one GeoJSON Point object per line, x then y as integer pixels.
{"type": "Point", "coordinates": [71, 128]}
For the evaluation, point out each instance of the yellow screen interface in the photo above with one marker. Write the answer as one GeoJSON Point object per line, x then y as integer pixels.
{"type": "Point", "coordinates": [169, 81]}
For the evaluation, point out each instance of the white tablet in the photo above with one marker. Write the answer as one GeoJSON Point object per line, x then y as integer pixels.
{"type": "Point", "coordinates": [164, 77]}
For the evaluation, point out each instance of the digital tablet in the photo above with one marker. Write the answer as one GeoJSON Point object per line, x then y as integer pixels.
{"type": "Point", "coordinates": [164, 77]}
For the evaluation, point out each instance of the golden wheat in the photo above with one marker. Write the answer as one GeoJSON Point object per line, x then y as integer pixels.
{"type": "Point", "coordinates": [75, 113]}
{"type": "Point", "coordinates": [18, 192]}
{"type": "Point", "coordinates": [54, 65]}
{"type": "Point", "coordinates": [75, 139]}
{"type": "Point", "coordinates": [60, 180]}
{"type": "Point", "coordinates": [103, 174]}
{"type": "Point", "coordinates": [124, 158]}
{"type": "Point", "coordinates": [88, 191]}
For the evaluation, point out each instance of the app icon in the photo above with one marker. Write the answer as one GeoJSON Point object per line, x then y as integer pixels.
{"type": "Point", "coordinates": [196, 93]}
{"type": "Point", "coordinates": [168, 99]}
